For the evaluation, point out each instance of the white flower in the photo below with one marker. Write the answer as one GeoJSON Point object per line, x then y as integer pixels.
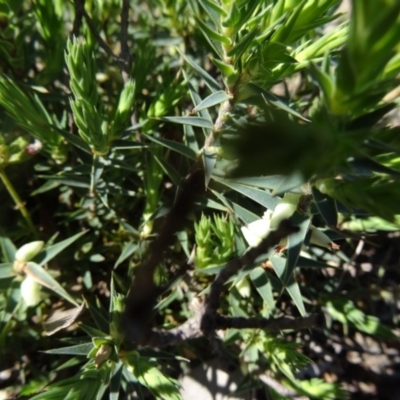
{"type": "Point", "coordinates": [30, 291]}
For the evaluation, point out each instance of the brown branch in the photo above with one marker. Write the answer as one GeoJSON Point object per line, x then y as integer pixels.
{"type": "Point", "coordinates": [79, 10]}
{"type": "Point", "coordinates": [125, 56]}
{"type": "Point", "coordinates": [270, 325]}
{"type": "Point", "coordinates": [213, 300]}
{"type": "Point", "coordinates": [191, 329]}
{"type": "Point", "coordinates": [143, 293]}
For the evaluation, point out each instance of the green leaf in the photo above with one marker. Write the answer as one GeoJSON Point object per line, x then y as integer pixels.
{"type": "Point", "coordinates": [45, 279]}
{"type": "Point", "coordinates": [326, 206]}
{"type": "Point", "coordinates": [8, 249]}
{"type": "Point", "coordinates": [75, 140]}
{"type": "Point", "coordinates": [212, 100]}
{"type": "Point", "coordinates": [213, 35]}
{"type": "Point", "coordinates": [236, 209]}
{"type": "Point", "coordinates": [169, 170]}
{"type": "Point", "coordinates": [209, 161]}
{"type": "Point", "coordinates": [77, 350]}
{"type": "Point", "coordinates": [279, 264]}
{"type": "Point", "coordinates": [214, 10]}
{"type": "Point", "coordinates": [238, 50]}
{"type": "Point", "coordinates": [272, 99]}
{"type": "Point", "coordinates": [161, 386]}
{"type": "Point", "coordinates": [212, 84]}
{"type": "Point", "coordinates": [50, 252]}
{"type": "Point", "coordinates": [6, 271]}
{"type": "Point", "coordinates": [192, 121]}
{"type": "Point", "coordinates": [261, 282]}
{"type": "Point", "coordinates": [213, 38]}
{"type": "Point", "coordinates": [295, 242]}
{"type": "Point", "coordinates": [115, 382]}
{"type": "Point", "coordinates": [99, 315]}
{"type": "Point", "coordinates": [260, 196]}
{"type": "Point", "coordinates": [294, 291]}
{"type": "Point", "coordinates": [175, 146]}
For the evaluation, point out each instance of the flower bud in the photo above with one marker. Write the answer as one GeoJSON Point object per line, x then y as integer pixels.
{"type": "Point", "coordinates": [256, 231]}
{"type": "Point", "coordinates": [285, 209]}
{"type": "Point", "coordinates": [29, 251]}
{"type": "Point", "coordinates": [244, 288]}
{"type": "Point", "coordinates": [30, 291]}
{"type": "Point", "coordinates": [102, 355]}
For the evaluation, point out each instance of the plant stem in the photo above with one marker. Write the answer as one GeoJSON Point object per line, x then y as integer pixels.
{"type": "Point", "coordinates": [18, 202]}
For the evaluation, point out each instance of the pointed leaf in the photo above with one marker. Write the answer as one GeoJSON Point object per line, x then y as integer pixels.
{"type": "Point", "coordinates": [75, 140]}
{"type": "Point", "coordinates": [8, 249]}
{"type": "Point", "coordinates": [193, 121]}
{"type": "Point", "coordinates": [127, 251]}
{"type": "Point", "coordinates": [214, 10]}
{"type": "Point", "coordinates": [212, 100]}
{"type": "Point", "coordinates": [295, 242]}
{"type": "Point", "coordinates": [244, 214]}
{"type": "Point", "coordinates": [271, 98]}
{"type": "Point", "coordinates": [260, 196]}
{"type": "Point", "coordinates": [294, 290]}
{"type": "Point", "coordinates": [115, 382]}
{"type": "Point", "coordinates": [51, 251]}
{"type": "Point", "coordinates": [326, 206]}
{"type": "Point", "coordinates": [76, 350]}
{"type": "Point", "coordinates": [261, 282]}
{"type": "Point", "coordinates": [175, 146]}
{"type": "Point", "coordinates": [190, 138]}
{"type": "Point", "coordinates": [6, 271]}
{"type": "Point", "coordinates": [208, 79]}
{"type": "Point", "coordinates": [44, 278]}
{"type": "Point", "coordinates": [100, 316]}
{"type": "Point", "coordinates": [212, 37]}
{"type": "Point", "coordinates": [209, 160]}
{"type": "Point", "coordinates": [238, 50]}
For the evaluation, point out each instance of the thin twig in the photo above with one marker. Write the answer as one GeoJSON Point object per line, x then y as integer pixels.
{"type": "Point", "coordinates": [20, 205]}
{"type": "Point", "coordinates": [79, 9]}
{"type": "Point", "coordinates": [143, 293]}
{"type": "Point", "coordinates": [125, 56]}
{"type": "Point", "coordinates": [191, 329]}
{"type": "Point", "coordinates": [270, 325]}
{"type": "Point", "coordinates": [284, 229]}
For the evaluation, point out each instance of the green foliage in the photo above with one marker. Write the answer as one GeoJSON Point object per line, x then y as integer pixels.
{"type": "Point", "coordinates": [107, 109]}
{"type": "Point", "coordinates": [214, 239]}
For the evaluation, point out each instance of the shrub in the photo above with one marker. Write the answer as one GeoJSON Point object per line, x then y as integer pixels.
{"type": "Point", "coordinates": [174, 173]}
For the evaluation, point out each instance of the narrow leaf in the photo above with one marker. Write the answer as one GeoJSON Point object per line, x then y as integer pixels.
{"type": "Point", "coordinates": [193, 121]}
{"type": "Point", "coordinates": [208, 79]}
{"type": "Point", "coordinates": [127, 251]}
{"type": "Point", "coordinates": [175, 146]}
{"type": "Point", "coordinates": [212, 100]}
{"type": "Point", "coordinates": [295, 242]}
{"type": "Point", "coordinates": [326, 206]}
{"type": "Point", "coordinates": [263, 286]}
{"type": "Point", "coordinates": [260, 196]}
{"type": "Point", "coordinates": [76, 350]}
{"type": "Point", "coordinates": [51, 251]}
{"type": "Point", "coordinates": [44, 278]}
{"type": "Point", "coordinates": [6, 270]}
